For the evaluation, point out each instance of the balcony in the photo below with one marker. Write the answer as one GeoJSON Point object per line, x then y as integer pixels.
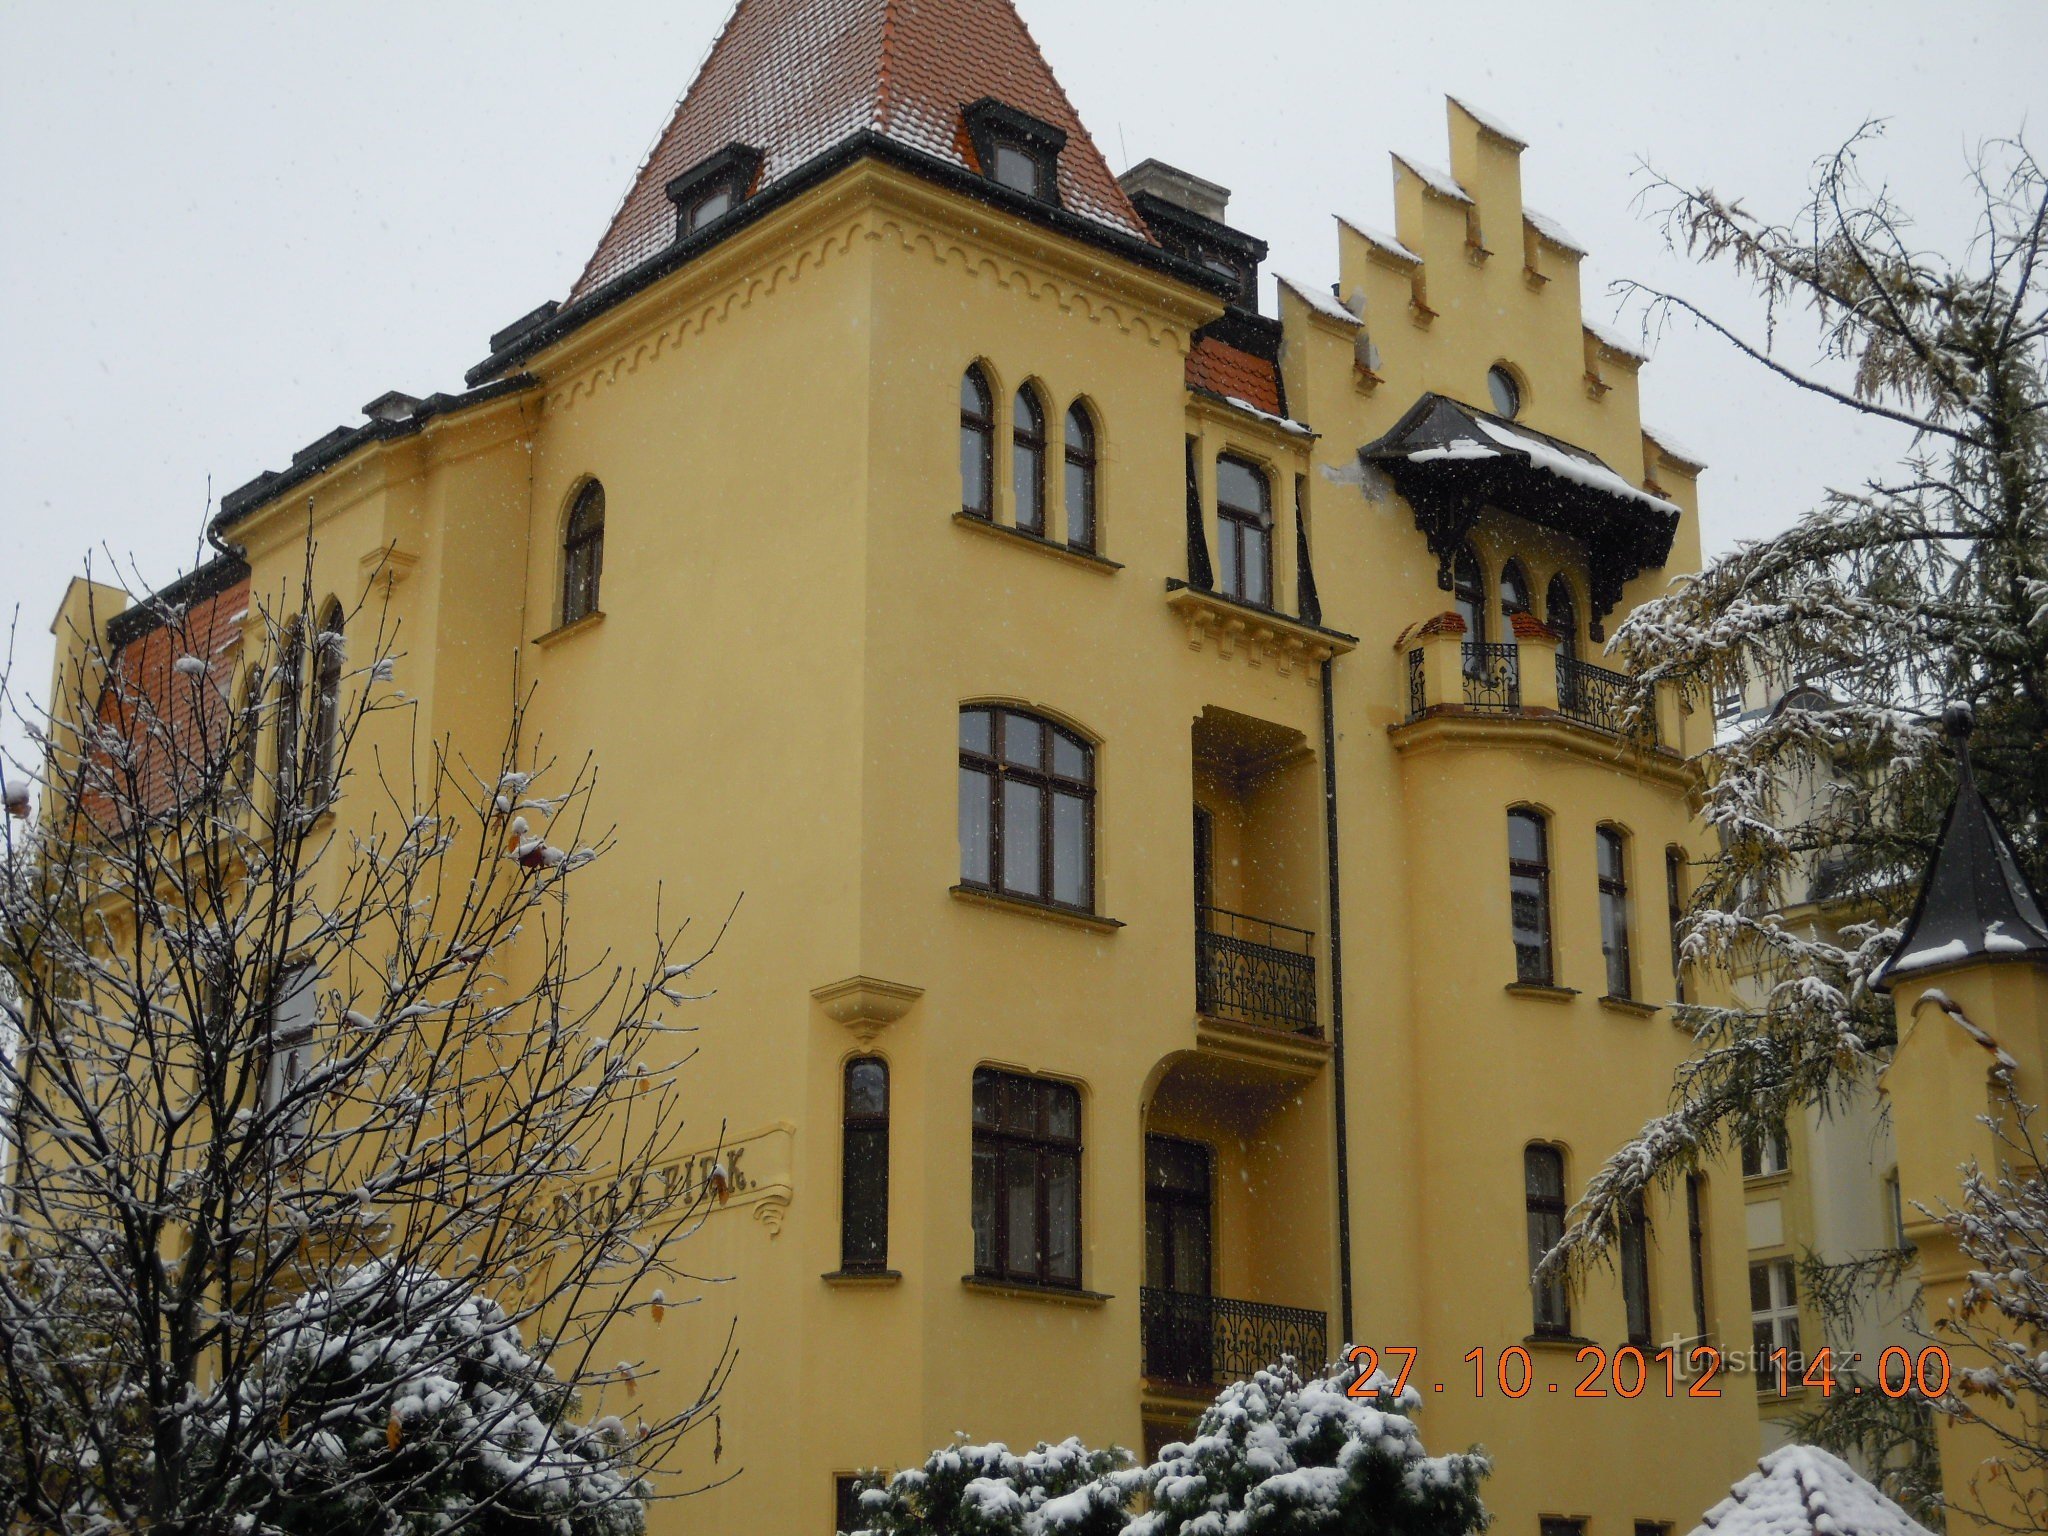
{"type": "Point", "coordinates": [1526, 678]}
{"type": "Point", "coordinates": [1606, 701]}
{"type": "Point", "coordinates": [1252, 971]}
{"type": "Point", "coordinates": [1200, 1343]}
{"type": "Point", "coordinates": [1493, 676]}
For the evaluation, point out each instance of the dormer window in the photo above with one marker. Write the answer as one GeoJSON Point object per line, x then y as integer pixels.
{"type": "Point", "coordinates": [713, 187]}
{"type": "Point", "coordinates": [1016, 150]}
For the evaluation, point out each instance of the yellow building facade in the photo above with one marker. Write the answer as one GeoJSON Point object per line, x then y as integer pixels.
{"type": "Point", "coordinates": [1202, 897]}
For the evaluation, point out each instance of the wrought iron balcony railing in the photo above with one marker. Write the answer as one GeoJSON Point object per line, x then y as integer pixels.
{"type": "Point", "coordinates": [1607, 701]}
{"type": "Point", "coordinates": [1211, 1341]}
{"type": "Point", "coordinates": [1493, 675]}
{"type": "Point", "coordinates": [1255, 972]}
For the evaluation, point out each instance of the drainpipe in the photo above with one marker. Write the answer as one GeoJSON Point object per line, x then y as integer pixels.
{"type": "Point", "coordinates": [1337, 997]}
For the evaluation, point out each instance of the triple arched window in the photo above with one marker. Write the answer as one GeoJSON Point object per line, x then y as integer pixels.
{"type": "Point", "coordinates": [583, 553]}
{"type": "Point", "coordinates": [1027, 808]}
{"type": "Point", "coordinates": [1032, 478]}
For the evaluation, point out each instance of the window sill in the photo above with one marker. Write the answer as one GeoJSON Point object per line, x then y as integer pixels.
{"type": "Point", "coordinates": [1559, 1341]}
{"type": "Point", "coordinates": [1026, 1290]}
{"type": "Point", "coordinates": [1630, 1005]}
{"type": "Point", "coordinates": [1045, 909]}
{"type": "Point", "coordinates": [1756, 1181]}
{"type": "Point", "coordinates": [1542, 990]}
{"type": "Point", "coordinates": [562, 632]}
{"type": "Point", "coordinates": [1085, 558]}
{"type": "Point", "coordinates": [863, 1279]}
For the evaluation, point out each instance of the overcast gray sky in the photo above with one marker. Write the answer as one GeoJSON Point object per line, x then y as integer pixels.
{"type": "Point", "coordinates": [224, 226]}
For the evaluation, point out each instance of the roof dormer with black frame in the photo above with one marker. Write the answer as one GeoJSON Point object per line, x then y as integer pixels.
{"type": "Point", "coordinates": [713, 187]}
{"type": "Point", "coordinates": [1015, 149]}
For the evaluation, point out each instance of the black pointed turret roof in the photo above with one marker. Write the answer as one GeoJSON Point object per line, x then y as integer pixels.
{"type": "Point", "coordinates": [1976, 904]}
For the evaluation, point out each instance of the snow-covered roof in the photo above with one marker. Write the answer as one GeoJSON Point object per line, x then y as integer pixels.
{"type": "Point", "coordinates": [1320, 300]}
{"type": "Point", "coordinates": [1492, 125]}
{"type": "Point", "coordinates": [1553, 231]}
{"type": "Point", "coordinates": [1587, 471]}
{"type": "Point", "coordinates": [1614, 341]}
{"type": "Point", "coordinates": [1380, 238]}
{"type": "Point", "coordinates": [1800, 1490]}
{"type": "Point", "coordinates": [1673, 448]}
{"type": "Point", "coordinates": [1441, 182]}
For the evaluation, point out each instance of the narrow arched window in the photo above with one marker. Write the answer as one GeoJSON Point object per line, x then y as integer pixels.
{"type": "Point", "coordinates": [864, 1166]}
{"type": "Point", "coordinates": [583, 554]}
{"type": "Point", "coordinates": [1080, 478]}
{"type": "Point", "coordinates": [1027, 808]}
{"type": "Point", "coordinates": [1244, 531]}
{"type": "Point", "coordinates": [1468, 594]}
{"type": "Point", "coordinates": [1674, 897]}
{"type": "Point", "coordinates": [1613, 872]}
{"type": "Point", "coordinates": [1635, 1271]}
{"type": "Point", "coordinates": [1529, 896]}
{"type": "Point", "coordinates": [977, 444]}
{"type": "Point", "coordinates": [291, 708]}
{"type": "Point", "coordinates": [1027, 461]}
{"type": "Point", "coordinates": [1561, 613]}
{"type": "Point", "coordinates": [249, 723]}
{"type": "Point", "coordinates": [1514, 589]}
{"type": "Point", "coordinates": [1696, 1249]}
{"type": "Point", "coordinates": [329, 650]}
{"type": "Point", "coordinates": [1543, 1199]}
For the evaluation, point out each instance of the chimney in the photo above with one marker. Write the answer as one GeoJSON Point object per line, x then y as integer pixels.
{"type": "Point", "coordinates": [1172, 185]}
{"type": "Point", "coordinates": [391, 406]}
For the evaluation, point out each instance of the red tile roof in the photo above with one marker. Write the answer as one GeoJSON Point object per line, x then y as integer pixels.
{"type": "Point", "coordinates": [1222, 369]}
{"type": "Point", "coordinates": [792, 78]}
{"type": "Point", "coordinates": [175, 723]}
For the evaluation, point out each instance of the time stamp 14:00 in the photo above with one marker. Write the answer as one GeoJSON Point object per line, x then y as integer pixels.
{"type": "Point", "coordinates": [1631, 1372]}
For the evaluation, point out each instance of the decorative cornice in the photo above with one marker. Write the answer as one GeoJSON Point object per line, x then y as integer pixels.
{"type": "Point", "coordinates": [1259, 635]}
{"type": "Point", "coordinates": [1451, 726]}
{"type": "Point", "coordinates": [866, 1004]}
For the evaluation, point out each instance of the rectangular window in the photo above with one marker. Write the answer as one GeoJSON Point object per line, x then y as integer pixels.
{"type": "Point", "coordinates": [1895, 1209]}
{"type": "Point", "coordinates": [1674, 869]}
{"type": "Point", "coordinates": [1027, 1179]}
{"type": "Point", "coordinates": [1770, 1154]}
{"type": "Point", "coordinates": [289, 1055]}
{"type": "Point", "coordinates": [1529, 897]}
{"type": "Point", "coordinates": [1244, 532]}
{"type": "Point", "coordinates": [1543, 1186]}
{"type": "Point", "coordinates": [1696, 1251]}
{"type": "Point", "coordinates": [1613, 869]}
{"type": "Point", "coordinates": [1557, 1525]}
{"type": "Point", "coordinates": [1635, 1273]}
{"type": "Point", "coordinates": [846, 1515]}
{"type": "Point", "coordinates": [1774, 1317]}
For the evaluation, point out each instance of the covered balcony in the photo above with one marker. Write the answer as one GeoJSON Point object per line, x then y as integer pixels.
{"type": "Point", "coordinates": [1531, 677]}
{"type": "Point", "coordinates": [1258, 880]}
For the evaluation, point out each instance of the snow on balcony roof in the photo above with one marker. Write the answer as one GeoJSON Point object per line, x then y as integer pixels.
{"type": "Point", "coordinates": [1587, 470]}
{"type": "Point", "coordinates": [1441, 182]}
{"type": "Point", "coordinates": [1319, 299]}
{"type": "Point", "coordinates": [1380, 238]}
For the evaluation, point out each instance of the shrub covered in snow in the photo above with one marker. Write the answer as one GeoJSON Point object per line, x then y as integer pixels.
{"type": "Point", "coordinates": [409, 1404]}
{"type": "Point", "coordinates": [1278, 1455]}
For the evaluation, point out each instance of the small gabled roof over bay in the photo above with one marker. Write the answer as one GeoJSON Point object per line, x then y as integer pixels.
{"type": "Point", "coordinates": [792, 79]}
{"type": "Point", "coordinates": [1449, 460]}
{"type": "Point", "coordinates": [1976, 904]}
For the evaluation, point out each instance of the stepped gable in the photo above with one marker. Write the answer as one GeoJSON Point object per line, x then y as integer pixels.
{"type": "Point", "coordinates": [792, 79]}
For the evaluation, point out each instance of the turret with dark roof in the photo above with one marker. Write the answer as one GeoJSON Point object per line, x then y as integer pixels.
{"type": "Point", "coordinates": [1976, 904]}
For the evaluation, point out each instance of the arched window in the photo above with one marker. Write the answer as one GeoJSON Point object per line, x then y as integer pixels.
{"type": "Point", "coordinates": [1027, 808]}
{"type": "Point", "coordinates": [977, 444]}
{"type": "Point", "coordinates": [1244, 531]}
{"type": "Point", "coordinates": [1613, 871]}
{"type": "Point", "coordinates": [583, 554]}
{"type": "Point", "coordinates": [1027, 461]}
{"type": "Point", "coordinates": [1561, 613]}
{"type": "Point", "coordinates": [1529, 896]}
{"type": "Point", "coordinates": [1635, 1271]}
{"type": "Point", "coordinates": [328, 652]}
{"type": "Point", "coordinates": [291, 708]}
{"type": "Point", "coordinates": [1080, 478]}
{"type": "Point", "coordinates": [1514, 590]}
{"type": "Point", "coordinates": [864, 1166]}
{"type": "Point", "coordinates": [1468, 594]}
{"type": "Point", "coordinates": [1543, 1198]}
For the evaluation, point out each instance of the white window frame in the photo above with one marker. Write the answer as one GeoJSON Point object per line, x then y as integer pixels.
{"type": "Point", "coordinates": [288, 1050]}
{"type": "Point", "coordinates": [1780, 1316]}
{"type": "Point", "coordinates": [1773, 1155]}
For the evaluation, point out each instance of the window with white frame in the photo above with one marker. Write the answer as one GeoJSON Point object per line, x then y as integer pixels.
{"type": "Point", "coordinates": [1767, 1154]}
{"type": "Point", "coordinates": [289, 1050]}
{"type": "Point", "coordinates": [1774, 1316]}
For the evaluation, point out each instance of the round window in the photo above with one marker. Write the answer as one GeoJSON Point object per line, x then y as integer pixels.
{"type": "Point", "coordinates": [1506, 393]}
